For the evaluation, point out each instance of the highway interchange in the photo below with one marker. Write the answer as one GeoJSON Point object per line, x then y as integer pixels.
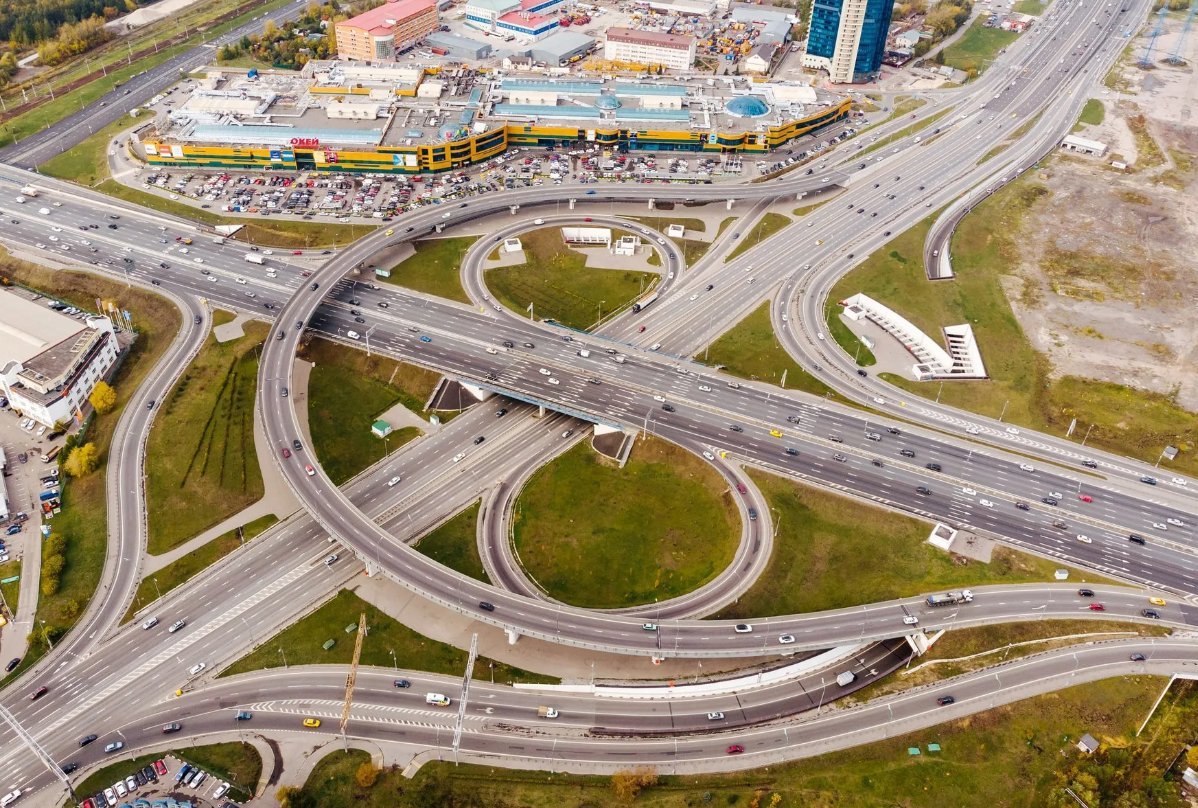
{"type": "Point", "coordinates": [243, 602]}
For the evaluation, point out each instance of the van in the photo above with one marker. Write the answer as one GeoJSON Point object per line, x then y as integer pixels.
{"type": "Point", "coordinates": [584, 353]}
{"type": "Point", "coordinates": [437, 700]}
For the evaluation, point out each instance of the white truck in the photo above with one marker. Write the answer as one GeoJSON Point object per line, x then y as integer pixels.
{"type": "Point", "coordinates": [845, 679]}
{"type": "Point", "coordinates": [584, 353]}
{"type": "Point", "coordinates": [29, 191]}
{"type": "Point", "coordinates": [547, 712]}
{"type": "Point", "coordinates": [254, 258]}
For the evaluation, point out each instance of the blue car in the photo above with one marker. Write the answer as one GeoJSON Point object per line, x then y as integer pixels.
{"type": "Point", "coordinates": [13, 529]}
{"type": "Point", "coordinates": [425, 338]}
{"type": "Point", "coordinates": [592, 192]}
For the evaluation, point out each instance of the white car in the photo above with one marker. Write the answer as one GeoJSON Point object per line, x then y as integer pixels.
{"type": "Point", "coordinates": [553, 380]}
{"type": "Point", "coordinates": [196, 668]}
{"type": "Point", "coordinates": [985, 503]}
{"type": "Point", "coordinates": [1160, 526]}
{"type": "Point", "coordinates": [1026, 467]}
{"type": "Point", "coordinates": [110, 796]}
{"type": "Point", "coordinates": [969, 492]}
{"type": "Point", "coordinates": [694, 297]}
{"type": "Point", "coordinates": [121, 788]}
{"type": "Point", "coordinates": [545, 372]}
{"type": "Point", "coordinates": [659, 398]}
{"type": "Point", "coordinates": [198, 260]}
{"type": "Point", "coordinates": [240, 280]}
{"type": "Point", "coordinates": [9, 798]}
{"type": "Point", "coordinates": [786, 639]}
{"type": "Point", "coordinates": [1175, 522]}
{"type": "Point", "coordinates": [394, 481]}
{"type": "Point", "coordinates": [879, 400]}
{"type": "Point", "coordinates": [54, 238]}
{"type": "Point", "coordinates": [56, 229]}
{"type": "Point", "coordinates": [910, 620]}
{"type": "Point", "coordinates": [458, 456]}
{"type": "Point", "coordinates": [709, 455]}
{"type": "Point", "coordinates": [1178, 481]}
{"type": "Point", "coordinates": [1012, 430]}
{"type": "Point", "coordinates": [705, 388]}
{"type": "Point", "coordinates": [353, 334]}
{"type": "Point", "coordinates": [1084, 539]}
{"type": "Point", "coordinates": [972, 430]}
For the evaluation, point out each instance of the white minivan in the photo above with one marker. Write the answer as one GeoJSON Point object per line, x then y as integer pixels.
{"type": "Point", "coordinates": [436, 699]}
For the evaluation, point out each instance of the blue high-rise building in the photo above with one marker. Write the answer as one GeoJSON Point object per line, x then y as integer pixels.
{"type": "Point", "coordinates": [848, 37]}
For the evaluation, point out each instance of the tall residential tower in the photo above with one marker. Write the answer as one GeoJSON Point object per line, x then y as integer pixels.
{"type": "Point", "coordinates": [848, 38]}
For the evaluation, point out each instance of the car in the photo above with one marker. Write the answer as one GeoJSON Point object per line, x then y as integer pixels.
{"type": "Point", "coordinates": [243, 715]}
{"type": "Point", "coordinates": [1023, 506]}
{"type": "Point", "coordinates": [528, 345]}
{"type": "Point", "coordinates": [1049, 501]}
{"type": "Point", "coordinates": [86, 739]}
{"type": "Point", "coordinates": [402, 683]}
{"type": "Point", "coordinates": [425, 338]}
{"type": "Point", "coordinates": [458, 457]}
{"type": "Point", "coordinates": [149, 623]}
{"type": "Point", "coordinates": [786, 639]}
{"type": "Point", "coordinates": [178, 624]}
{"type": "Point", "coordinates": [944, 701]}
{"type": "Point", "coordinates": [131, 783]}
{"type": "Point", "coordinates": [735, 749]}
{"type": "Point", "coordinates": [1084, 539]}
{"type": "Point", "coordinates": [1175, 522]}
{"type": "Point", "coordinates": [910, 620]}
{"type": "Point", "coordinates": [160, 768]}
{"type": "Point", "coordinates": [67, 768]}
{"type": "Point", "coordinates": [1148, 480]}
{"type": "Point", "coordinates": [1026, 467]}
{"type": "Point", "coordinates": [309, 470]}
{"type": "Point", "coordinates": [736, 427]}
{"type": "Point", "coordinates": [110, 796]}
{"type": "Point", "coordinates": [285, 452]}
{"type": "Point", "coordinates": [1151, 613]}
{"type": "Point", "coordinates": [37, 694]}
{"type": "Point", "coordinates": [985, 503]}
{"type": "Point", "coordinates": [1160, 526]}
{"type": "Point", "coordinates": [715, 716]}
{"type": "Point", "coordinates": [743, 628]}
{"type": "Point", "coordinates": [1155, 601]}
{"type": "Point", "coordinates": [331, 559]}
{"type": "Point", "coordinates": [932, 466]}
{"type": "Point", "coordinates": [196, 668]}
{"type": "Point", "coordinates": [312, 723]}
{"type": "Point", "coordinates": [12, 663]}
{"type": "Point", "coordinates": [924, 490]}
{"type": "Point", "coordinates": [567, 433]}
{"type": "Point", "coordinates": [1097, 607]}
{"type": "Point", "coordinates": [906, 452]}
{"type": "Point", "coordinates": [792, 451]}
{"type": "Point", "coordinates": [1090, 464]}
{"type": "Point", "coordinates": [969, 491]}
{"type": "Point", "coordinates": [115, 746]}
{"type": "Point", "coordinates": [553, 380]}
{"type": "Point", "coordinates": [184, 771]}
{"type": "Point", "coordinates": [502, 411]}
{"type": "Point", "coordinates": [1085, 497]}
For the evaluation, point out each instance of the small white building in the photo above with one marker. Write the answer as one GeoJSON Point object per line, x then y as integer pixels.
{"type": "Point", "coordinates": [649, 48]}
{"type": "Point", "coordinates": [50, 362]}
{"type": "Point", "coordinates": [1083, 145]}
{"type": "Point", "coordinates": [760, 58]}
{"type": "Point", "coordinates": [627, 245]}
{"type": "Point", "coordinates": [587, 236]}
{"type": "Point", "coordinates": [676, 231]}
{"type": "Point", "coordinates": [511, 245]}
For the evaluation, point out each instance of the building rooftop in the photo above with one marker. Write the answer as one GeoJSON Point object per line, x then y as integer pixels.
{"type": "Point", "coordinates": [28, 328]}
{"type": "Point", "coordinates": [384, 17]}
{"type": "Point", "coordinates": [656, 38]}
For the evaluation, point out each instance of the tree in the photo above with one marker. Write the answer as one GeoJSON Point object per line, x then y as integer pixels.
{"type": "Point", "coordinates": [366, 775]}
{"type": "Point", "coordinates": [103, 397]}
{"type": "Point", "coordinates": [82, 460]}
{"type": "Point", "coordinates": [628, 784]}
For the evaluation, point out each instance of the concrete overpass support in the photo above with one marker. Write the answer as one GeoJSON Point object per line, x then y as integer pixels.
{"type": "Point", "coordinates": [800, 195]}
{"type": "Point", "coordinates": [729, 207]}
{"type": "Point", "coordinates": [372, 569]}
{"type": "Point", "coordinates": [438, 227]}
{"type": "Point", "coordinates": [573, 202]}
{"type": "Point", "coordinates": [513, 209]}
{"type": "Point", "coordinates": [652, 204]}
{"type": "Point", "coordinates": [476, 391]}
{"type": "Point", "coordinates": [540, 410]}
{"type": "Point", "coordinates": [919, 643]}
{"type": "Point", "coordinates": [512, 635]}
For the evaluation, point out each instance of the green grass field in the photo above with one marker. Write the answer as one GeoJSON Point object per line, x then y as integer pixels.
{"type": "Point", "coordinates": [83, 521]}
{"type": "Point", "coordinates": [302, 643]}
{"type": "Point", "coordinates": [453, 544]}
{"type": "Point", "coordinates": [1020, 756]}
{"type": "Point", "coordinates": [985, 247]}
{"type": "Point", "coordinates": [751, 351]}
{"type": "Point", "coordinates": [1033, 7]}
{"type": "Point", "coordinates": [658, 528]}
{"type": "Point", "coordinates": [434, 268]}
{"type": "Point", "coordinates": [766, 226]}
{"type": "Point", "coordinates": [238, 764]}
{"type": "Point", "coordinates": [11, 569]}
{"type": "Point", "coordinates": [179, 571]}
{"type": "Point", "coordinates": [977, 48]}
{"type": "Point", "coordinates": [201, 466]}
{"type": "Point", "coordinates": [1093, 113]}
{"type": "Point", "coordinates": [347, 392]}
{"type": "Point", "coordinates": [830, 549]}
{"type": "Point", "coordinates": [558, 284]}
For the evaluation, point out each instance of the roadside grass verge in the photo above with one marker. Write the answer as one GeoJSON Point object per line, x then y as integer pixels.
{"type": "Point", "coordinates": [766, 226]}
{"type": "Point", "coordinates": [977, 48]}
{"type": "Point", "coordinates": [829, 549]}
{"type": "Point", "coordinates": [1019, 756]}
{"type": "Point", "coordinates": [83, 521]}
{"type": "Point", "coordinates": [182, 569]}
{"type": "Point", "coordinates": [11, 569]}
{"type": "Point", "coordinates": [658, 528]}
{"type": "Point", "coordinates": [692, 249]}
{"type": "Point", "coordinates": [558, 285]}
{"type": "Point", "coordinates": [751, 351]}
{"type": "Point", "coordinates": [986, 246]}
{"type": "Point", "coordinates": [905, 132]}
{"type": "Point", "coordinates": [1032, 7]}
{"type": "Point", "coordinates": [453, 544]}
{"type": "Point", "coordinates": [238, 764]}
{"type": "Point", "coordinates": [347, 392]}
{"type": "Point", "coordinates": [435, 268]}
{"type": "Point", "coordinates": [303, 642]}
{"type": "Point", "coordinates": [843, 336]}
{"type": "Point", "coordinates": [201, 463]}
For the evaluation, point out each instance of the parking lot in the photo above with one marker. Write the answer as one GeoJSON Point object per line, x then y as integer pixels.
{"type": "Point", "coordinates": [26, 478]}
{"type": "Point", "coordinates": [164, 783]}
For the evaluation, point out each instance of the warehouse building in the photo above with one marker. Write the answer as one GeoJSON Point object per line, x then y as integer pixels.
{"type": "Point", "coordinates": [407, 120]}
{"type": "Point", "coordinates": [561, 47]}
{"type": "Point", "coordinates": [459, 47]}
{"type": "Point", "coordinates": [382, 33]}
{"type": "Point", "coordinates": [649, 48]}
{"type": "Point", "coordinates": [50, 362]}
{"type": "Point", "coordinates": [523, 19]}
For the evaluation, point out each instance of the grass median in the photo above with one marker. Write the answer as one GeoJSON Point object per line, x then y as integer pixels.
{"type": "Point", "coordinates": [658, 528]}
{"type": "Point", "coordinates": [454, 544]}
{"type": "Point", "coordinates": [985, 248]}
{"type": "Point", "coordinates": [435, 268]}
{"type": "Point", "coordinates": [556, 282]}
{"type": "Point", "coordinates": [201, 463]}
{"type": "Point", "coordinates": [347, 392]}
{"type": "Point", "coordinates": [157, 584]}
{"type": "Point", "coordinates": [237, 764]}
{"type": "Point", "coordinates": [830, 549]}
{"type": "Point", "coordinates": [751, 351]}
{"type": "Point", "coordinates": [302, 643]}
{"type": "Point", "coordinates": [1018, 756]}
{"type": "Point", "coordinates": [83, 521]}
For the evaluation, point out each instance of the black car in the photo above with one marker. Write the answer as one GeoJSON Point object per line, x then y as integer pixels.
{"type": "Point", "coordinates": [502, 411]}
{"type": "Point", "coordinates": [86, 739]}
{"type": "Point", "coordinates": [139, 777]}
{"type": "Point", "coordinates": [736, 427]}
{"type": "Point", "coordinates": [906, 453]}
{"type": "Point", "coordinates": [862, 373]}
{"type": "Point", "coordinates": [171, 728]}
{"type": "Point", "coordinates": [1135, 538]}
{"type": "Point", "coordinates": [485, 606]}
{"type": "Point", "coordinates": [877, 462]}
{"type": "Point", "coordinates": [1023, 506]}
{"type": "Point", "coordinates": [1153, 613]}
{"type": "Point", "coordinates": [67, 768]}
{"type": "Point", "coordinates": [668, 407]}
{"type": "Point", "coordinates": [836, 439]}
{"type": "Point", "coordinates": [479, 439]}
{"type": "Point", "coordinates": [507, 343]}
{"type": "Point", "coordinates": [894, 430]}
{"type": "Point", "coordinates": [402, 683]}
{"type": "Point", "coordinates": [315, 286]}
{"type": "Point", "coordinates": [1090, 464]}
{"type": "Point", "coordinates": [932, 466]}
{"type": "Point", "coordinates": [1148, 480]}
{"type": "Point", "coordinates": [710, 286]}
{"type": "Point", "coordinates": [1085, 593]}
{"type": "Point", "coordinates": [295, 444]}
{"type": "Point", "coordinates": [1049, 501]}
{"type": "Point", "coordinates": [198, 319]}
{"type": "Point", "coordinates": [12, 663]}
{"type": "Point", "coordinates": [794, 419]}
{"type": "Point", "coordinates": [1137, 657]}
{"type": "Point", "coordinates": [112, 227]}
{"type": "Point", "coordinates": [151, 775]}
{"type": "Point", "coordinates": [790, 450]}
{"type": "Point", "coordinates": [944, 701]}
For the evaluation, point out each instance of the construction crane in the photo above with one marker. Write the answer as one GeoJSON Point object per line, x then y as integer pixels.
{"type": "Point", "coordinates": [351, 678]}
{"type": "Point", "coordinates": [1175, 58]}
{"type": "Point", "coordinates": [1158, 29]}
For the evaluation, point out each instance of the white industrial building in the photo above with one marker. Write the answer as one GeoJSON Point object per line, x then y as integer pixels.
{"type": "Point", "coordinates": [649, 48]}
{"type": "Point", "coordinates": [50, 362]}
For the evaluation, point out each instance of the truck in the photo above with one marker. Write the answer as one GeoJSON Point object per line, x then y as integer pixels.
{"type": "Point", "coordinates": [547, 712]}
{"type": "Point", "coordinates": [950, 598]}
{"type": "Point", "coordinates": [218, 239]}
{"type": "Point", "coordinates": [50, 455]}
{"type": "Point", "coordinates": [643, 303]}
{"type": "Point", "coordinates": [254, 258]}
{"type": "Point", "coordinates": [619, 359]}
{"type": "Point", "coordinates": [29, 191]}
{"type": "Point", "coordinates": [46, 496]}
{"type": "Point", "coordinates": [845, 679]}
{"type": "Point", "coordinates": [584, 353]}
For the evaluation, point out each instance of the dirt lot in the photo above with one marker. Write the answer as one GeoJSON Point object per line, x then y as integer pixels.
{"type": "Point", "coordinates": [1106, 287]}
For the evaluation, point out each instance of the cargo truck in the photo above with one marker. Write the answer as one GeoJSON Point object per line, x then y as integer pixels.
{"type": "Point", "coordinates": [845, 679]}
{"type": "Point", "coordinates": [254, 258]}
{"type": "Point", "coordinates": [29, 191]}
{"type": "Point", "coordinates": [547, 712]}
{"type": "Point", "coordinates": [950, 598]}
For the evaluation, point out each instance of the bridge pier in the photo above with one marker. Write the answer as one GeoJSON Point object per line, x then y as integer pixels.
{"type": "Point", "coordinates": [918, 642]}
{"type": "Point", "coordinates": [652, 204]}
{"type": "Point", "coordinates": [729, 205]}
{"type": "Point", "coordinates": [372, 569]}
{"type": "Point", "coordinates": [513, 209]}
{"type": "Point", "coordinates": [438, 227]}
{"type": "Point", "coordinates": [540, 410]}
{"type": "Point", "coordinates": [573, 202]}
{"type": "Point", "coordinates": [800, 195]}
{"type": "Point", "coordinates": [512, 635]}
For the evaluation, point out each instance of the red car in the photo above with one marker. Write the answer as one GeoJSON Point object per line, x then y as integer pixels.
{"type": "Point", "coordinates": [297, 252]}
{"type": "Point", "coordinates": [1085, 497]}
{"type": "Point", "coordinates": [37, 694]}
{"type": "Point", "coordinates": [88, 803]}
{"type": "Point", "coordinates": [160, 767]}
{"type": "Point", "coordinates": [735, 749]}
{"type": "Point", "coordinates": [1097, 607]}
{"type": "Point", "coordinates": [641, 329]}
{"type": "Point", "coordinates": [286, 453]}
{"type": "Point", "coordinates": [311, 471]}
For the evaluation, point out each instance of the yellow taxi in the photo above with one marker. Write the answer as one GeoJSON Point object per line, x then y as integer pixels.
{"type": "Point", "coordinates": [776, 433]}
{"type": "Point", "coordinates": [312, 722]}
{"type": "Point", "coordinates": [1157, 601]}
{"type": "Point", "coordinates": [390, 232]}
